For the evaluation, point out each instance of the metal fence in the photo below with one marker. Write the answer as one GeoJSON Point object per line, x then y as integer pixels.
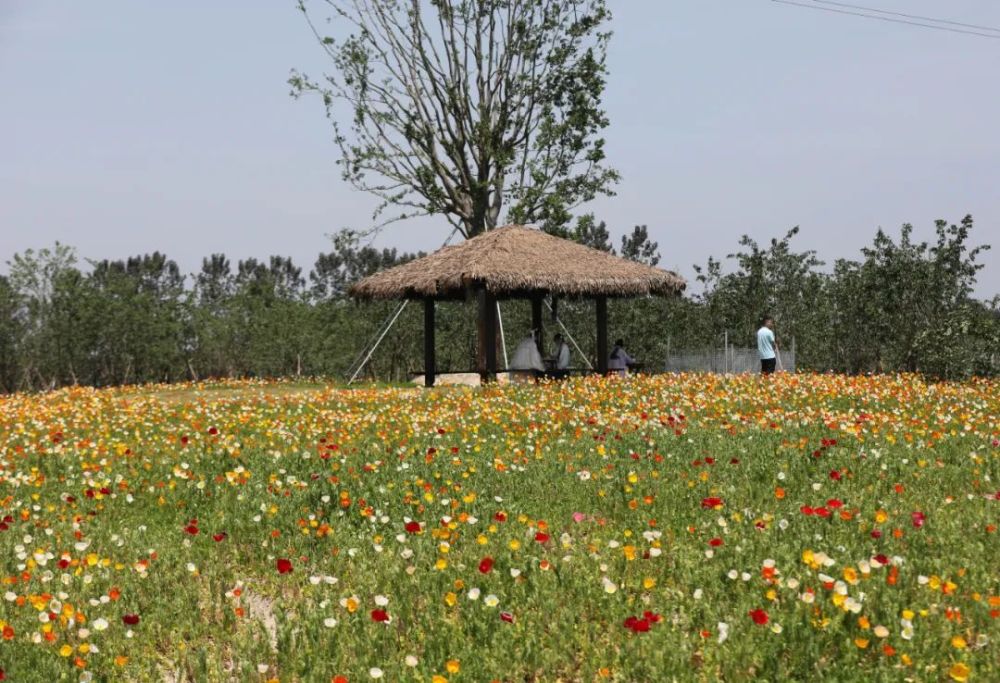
{"type": "Point", "coordinates": [724, 360]}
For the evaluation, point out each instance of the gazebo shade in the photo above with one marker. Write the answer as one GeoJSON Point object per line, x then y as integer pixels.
{"type": "Point", "coordinates": [513, 261]}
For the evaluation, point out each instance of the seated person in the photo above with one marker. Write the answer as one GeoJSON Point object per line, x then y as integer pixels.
{"type": "Point", "coordinates": [526, 356]}
{"type": "Point", "coordinates": [619, 360]}
{"type": "Point", "coordinates": [560, 359]}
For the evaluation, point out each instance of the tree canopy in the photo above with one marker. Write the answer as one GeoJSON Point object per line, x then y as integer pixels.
{"type": "Point", "coordinates": [466, 108]}
{"type": "Point", "coordinates": [903, 305]}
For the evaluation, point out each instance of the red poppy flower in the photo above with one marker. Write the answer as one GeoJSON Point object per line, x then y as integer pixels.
{"type": "Point", "coordinates": [130, 619]}
{"type": "Point", "coordinates": [486, 565]}
{"type": "Point", "coordinates": [759, 617]}
{"type": "Point", "coordinates": [541, 537]}
{"type": "Point", "coordinates": [882, 559]}
{"type": "Point", "coordinates": [213, 431]}
{"type": "Point", "coordinates": [637, 625]}
{"type": "Point", "coordinates": [507, 616]}
{"type": "Point", "coordinates": [413, 527]}
{"type": "Point", "coordinates": [715, 542]}
{"type": "Point", "coordinates": [651, 617]}
{"type": "Point", "coordinates": [806, 510]}
{"type": "Point", "coordinates": [918, 518]}
{"type": "Point", "coordinates": [835, 475]}
{"type": "Point", "coordinates": [191, 529]}
{"type": "Point", "coordinates": [284, 565]}
{"type": "Point", "coordinates": [821, 512]}
{"type": "Point", "coordinates": [500, 516]}
{"type": "Point", "coordinates": [711, 503]}
{"type": "Point", "coordinates": [876, 533]}
{"type": "Point", "coordinates": [380, 615]}
{"type": "Point", "coordinates": [339, 679]}
{"type": "Point", "coordinates": [834, 503]}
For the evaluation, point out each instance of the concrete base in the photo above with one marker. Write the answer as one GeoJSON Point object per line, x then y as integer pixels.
{"type": "Point", "coordinates": [461, 379]}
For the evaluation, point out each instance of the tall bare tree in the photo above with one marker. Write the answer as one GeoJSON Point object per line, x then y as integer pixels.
{"type": "Point", "coordinates": [467, 108]}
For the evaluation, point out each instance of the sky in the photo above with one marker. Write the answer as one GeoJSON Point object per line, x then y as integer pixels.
{"type": "Point", "coordinates": [128, 126]}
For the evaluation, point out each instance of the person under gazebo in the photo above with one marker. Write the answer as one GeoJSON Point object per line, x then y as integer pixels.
{"type": "Point", "coordinates": [559, 362]}
{"type": "Point", "coordinates": [527, 358]}
{"type": "Point", "coordinates": [619, 360]}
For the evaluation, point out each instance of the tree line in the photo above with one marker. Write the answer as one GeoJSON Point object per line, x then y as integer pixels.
{"type": "Point", "coordinates": [902, 306]}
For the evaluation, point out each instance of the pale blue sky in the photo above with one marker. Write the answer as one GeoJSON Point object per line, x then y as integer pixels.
{"type": "Point", "coordinates": [128, 126]}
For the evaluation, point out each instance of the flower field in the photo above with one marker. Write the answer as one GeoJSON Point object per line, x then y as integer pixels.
{"type": "Point", "coordinates": [696, 528]}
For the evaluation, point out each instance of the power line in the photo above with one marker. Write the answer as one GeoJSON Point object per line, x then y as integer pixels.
{"type": "Point", "coordinates": [908, 16]}
{"type": "Point", "coordinates": [889, 19]}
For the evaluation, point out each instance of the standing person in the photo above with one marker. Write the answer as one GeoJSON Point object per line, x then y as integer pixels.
{"type": "Point", "coordinates": [767, 345]}
{"type": "Point", "coordinates": [619, 360]}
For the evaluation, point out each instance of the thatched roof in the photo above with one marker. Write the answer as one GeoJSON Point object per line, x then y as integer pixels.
{"type": "Point", "coordinates": [516, 260]}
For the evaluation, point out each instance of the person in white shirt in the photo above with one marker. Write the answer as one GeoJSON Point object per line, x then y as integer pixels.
{"type": "Point", "coordinates": [619, 360]}
{"type": "Point", "coordinates": [767, 346]}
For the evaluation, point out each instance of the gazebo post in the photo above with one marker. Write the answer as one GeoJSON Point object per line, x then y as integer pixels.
{"type": "Point", "coordinates": [602, 335]}
{"type": "Point", "coordinates": [536, 321]}
{"type": "Point", "coordinates": [488, 330]}
{"type": "Point", "coordinates": [430, 369]}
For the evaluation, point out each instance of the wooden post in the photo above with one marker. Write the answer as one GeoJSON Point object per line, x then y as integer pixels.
{"type": "Point", "coordinates": [430, 367]}
{"type": "Point", "coordinates": [488, 310]}
{"type": "Point", "coordinates": [602, 335]}
{"type": "Point", "coordinates": [536, 322]}
{"type": "Point", "coordinates": [555, 308]}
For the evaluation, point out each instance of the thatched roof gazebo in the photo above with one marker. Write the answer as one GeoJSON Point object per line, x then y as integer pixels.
{"type": "Point", "coordinates": [516, 262]}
